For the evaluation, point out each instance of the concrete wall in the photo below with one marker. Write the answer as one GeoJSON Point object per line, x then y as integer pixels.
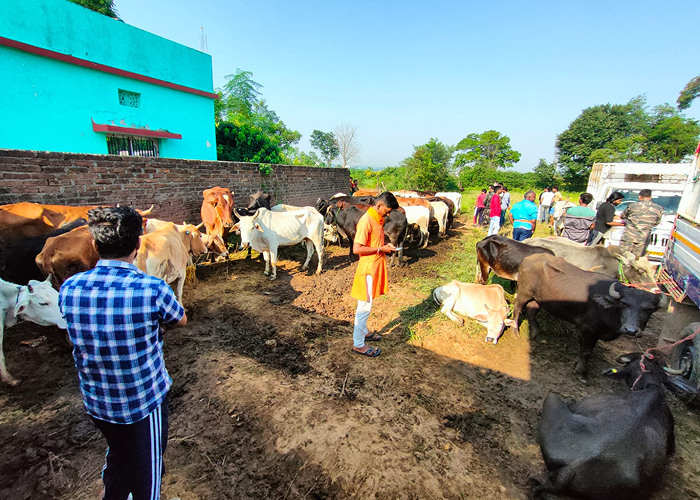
{"type": "Point", "coordinates": [173, 186]}
{"type": "Point", "coordinates": [49, 105]}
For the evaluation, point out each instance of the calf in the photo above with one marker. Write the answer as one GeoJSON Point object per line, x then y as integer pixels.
{"type": "Point", "coordinates": [484, 303]}
{"type": "Point", "coordinates": [610, 446]}
{"type": "Point", "coordinates": [503, 255]}
{"type": "Point", "coordinates": [600, 307]}
{"type": "Point", "coordinates": [37, 302]}
{"type": "Point", "coordinates": [166, 252]}
{"type": "Point", "coordinates": [67, 254]}
{"type": "Point", "coordinates": [266, 231]}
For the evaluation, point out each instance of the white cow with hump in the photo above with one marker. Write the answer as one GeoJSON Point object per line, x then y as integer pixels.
{"type": "Point", "coordinates": [266, 231]}
{"type": "Point", "coordinates": [484, 303]}
{"type": "Point", "coordinates": [440, 213]}
{"type": "Point", "coordinates": [455, 198]}
{"type": "Point", "coordinates": [36, 302]}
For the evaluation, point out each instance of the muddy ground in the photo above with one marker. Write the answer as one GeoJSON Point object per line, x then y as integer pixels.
{"type": "Point", "coordinates": [268, 400]}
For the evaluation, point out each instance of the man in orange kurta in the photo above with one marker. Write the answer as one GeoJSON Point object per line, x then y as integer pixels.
{"type": "Point", "coordinates": [371, 275]}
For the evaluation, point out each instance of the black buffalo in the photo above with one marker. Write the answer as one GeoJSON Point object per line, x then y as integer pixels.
{"type": "Point", "coordinates": [20, 259]}
{"type": "Point", "coordinates": [602, 308]}
{"type": "Point", "coordinates": [611, 446]}
{"type": "Point", "coordinates": [346, 217]}
{"type": "Point", "coordinates": [503, 256]}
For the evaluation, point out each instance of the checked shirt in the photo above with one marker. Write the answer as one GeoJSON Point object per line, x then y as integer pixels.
{"type": "Point", "coordinates": [114, 313]}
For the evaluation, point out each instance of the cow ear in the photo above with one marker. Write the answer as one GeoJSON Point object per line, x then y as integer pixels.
{"type": "Point", "coordinates": [48, 222]}
{"type": "Point", "coordinates": [22, 300]}
{"type": "Point", "coordinates": [605, 301]}
{"type": "Point", "coordinates": [258, 227]}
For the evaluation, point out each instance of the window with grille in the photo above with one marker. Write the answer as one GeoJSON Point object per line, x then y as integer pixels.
{"type": "Point", "coordinates": [132, 146]}
{"type": "Point", "coordinates": [130, 99]}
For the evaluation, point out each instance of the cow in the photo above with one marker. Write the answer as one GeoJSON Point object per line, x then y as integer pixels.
{"type": "Point", "coordinates": [20, 259]}
{"type": "Point", "coordinates": [367, 192]}
{"type": "Point", "coordinates": [450, 208]}
{"type": "Point", "coordinates": [217, 216]}
{"type": "Point", "coordinates": [605, 260]}
{"type": "Point", "coordinates": [560, 209]}
{"type": "Point", "coordinates": [612, 445]}
{"type": "Point", "coordinates": [601, 308]}
{"type": "Point", "coordinates": [503, 256]}
{"type": "Point", "coordinates": [266, 231]}
{"type": "Point", "coordinates": [346, 217]}
{"type": "Point", "coordinates": [420, 217]}
{"type": "Point", "coordinates": [484, 303]}
{"type": "Point", "coordinates": [166, 252]}
{"type": "Point", "coordinates": [67, 254]}
{"type": "Point", "coordinates": [36, 302]}
{"type": "Point", "coordinates": [455, 198]}
{"type": "Point", "coordinates": [441, 214]}
{"type": "Point", "coordinates": [324, 205]}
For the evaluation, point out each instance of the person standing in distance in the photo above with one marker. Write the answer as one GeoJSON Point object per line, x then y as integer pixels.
{"type": "Point", "coordinates": [371, 274]}
{"type": "Point", "coordinates": [116, 315]}
{"type": "Point", "coordinates": [546, 203]}
{"type": "Point", "coordinates": [641, 218]}
{"type": "Point", "coordinates": [495, 211]}
{"type": "Point", "coordinates": [479, 208]}
{"type": "Point", "coordinates": [523, 216]}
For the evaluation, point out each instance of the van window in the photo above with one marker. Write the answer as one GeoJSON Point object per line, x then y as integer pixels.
{"type": "Point", "coordinates": [669, 203]}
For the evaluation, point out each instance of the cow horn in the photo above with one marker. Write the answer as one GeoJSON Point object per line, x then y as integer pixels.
{"type": "Point", "coordinates": [614, 293]}
{"type": "Point", "coordinates": [672, 371]}
{"type": "Point", "coordinates": [199, 226]}
{"type": "Point", "coordinates": [235, 211]}
{"type": "Point", "coordinates": [147, 212]}
{"type": "Point", "coordinates": [623, 359]}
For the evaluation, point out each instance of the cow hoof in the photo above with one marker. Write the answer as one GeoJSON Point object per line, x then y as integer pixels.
{"type": "Point", "coordinates": [265, 273]}
{"type": "Point", "coordinates": [272, 278]}
{"type": "Point", "coordinates": [11, 381]}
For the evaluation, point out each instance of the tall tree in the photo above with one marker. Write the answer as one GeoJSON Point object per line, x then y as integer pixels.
{"type": "Point", "coordinates": [326, 144]}
{"type": "Point", "coordinates": [429, 166]}
{"type": "Point", "coordinates": [546, 174]}
{"type": "Point", "coordinates": [489, 149]}
{"type": "Point", "coordinates": [245, 142]}
{"type": "Point", "coordinates": [239, 96]}
{"type": "Point", "coordinates": [105, 7]}
{"type": "Point", "coordinates": [688, 94]}
{"type": "Point", "coordinates": [347, 143]}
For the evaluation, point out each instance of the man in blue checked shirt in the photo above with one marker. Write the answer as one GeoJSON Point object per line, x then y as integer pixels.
{"type": "Point", "coordinates": [116, 315]}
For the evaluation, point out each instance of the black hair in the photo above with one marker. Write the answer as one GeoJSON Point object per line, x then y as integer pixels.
{"type": "Point", "coordinates": [389, 200]}
{"type": "Point", "coordinates": [614, 196]}
{"type": "Point", "coordinates": [645, 193]}
{"type": "Point", "coordinates": [116, 230]}
{"type": "Point", "coordinates": [483, 190]}
{"type": "Point", "coordinates": [555, 187]}
{"type": "Point", "coordinates": [586, 198]}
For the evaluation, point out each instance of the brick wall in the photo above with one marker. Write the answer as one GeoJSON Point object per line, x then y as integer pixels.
{"type": "Point", "coordinates": [173, 186]}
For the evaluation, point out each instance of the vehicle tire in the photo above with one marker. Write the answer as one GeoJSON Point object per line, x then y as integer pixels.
{"type": "Point", "coordinates": [686, 356]}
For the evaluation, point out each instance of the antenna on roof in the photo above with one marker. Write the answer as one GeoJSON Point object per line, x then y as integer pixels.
{"type": "Point", "coordinates": [203, 40]}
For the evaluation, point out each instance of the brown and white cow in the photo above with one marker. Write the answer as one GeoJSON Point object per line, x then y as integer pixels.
{"type": "Point", "coordinates": [216, 211]}
{"type": "Point", "coordinates": [166, 252]}
{"type": "Point", "coordinates": [484, 303]}
{"type": "Point", "coordinates": [67, 254]}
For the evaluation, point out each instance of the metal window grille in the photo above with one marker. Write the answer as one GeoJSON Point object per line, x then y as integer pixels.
{"type": "Point", "coordinates": [131, 146]}
{"type": "Point", "coordinates": [130, 99]}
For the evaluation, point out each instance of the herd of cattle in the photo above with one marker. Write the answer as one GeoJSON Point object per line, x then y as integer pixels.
{"type": "Point", "coordinates": [42, 245]}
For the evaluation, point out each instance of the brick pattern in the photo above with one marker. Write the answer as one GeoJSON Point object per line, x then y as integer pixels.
{"type": "Point", "coordinates": [173, 186]}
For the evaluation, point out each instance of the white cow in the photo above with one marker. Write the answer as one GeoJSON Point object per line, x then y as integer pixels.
{"type": "Point", "coordinates": [455, 198]}
{"type": "Point", "coordinates": [266, 231]}
{"type": "Point", "coordinates": [37, 302]}
{"type": "Point", "coordinates": [560, 209]}
{"type": "Point", "coordinates": [419, 216]}
{"type": "Point", "coordinates": [484, 303]}
{"type": "Point", "coordinates": [440, 212]}
{"type": "Point", "coordinates": [281, 207]}
{"type": "Point", "coordinates": [166, 252]}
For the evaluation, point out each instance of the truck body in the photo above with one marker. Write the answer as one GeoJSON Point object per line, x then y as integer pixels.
{"type": "Point", "coordinates": [667, 183]}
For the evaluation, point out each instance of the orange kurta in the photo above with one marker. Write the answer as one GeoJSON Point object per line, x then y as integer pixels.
{"type": "Point", "coordinates": [370, 232]}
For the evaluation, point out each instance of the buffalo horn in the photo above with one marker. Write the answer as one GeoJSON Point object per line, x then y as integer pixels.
{"type": "Point", "coordinates": [614, 293]}
{"type": "Point", "coordinates": [623, 359]}
{"type": "Point", "coordinates": [672, 371]}
{"type": "Point", "coordinates": [235, 211]}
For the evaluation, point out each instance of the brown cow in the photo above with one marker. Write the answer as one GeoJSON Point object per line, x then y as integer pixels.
{"type": "Point", "coordinates": [216, 213]}
{"type": "Point", "coordinates": [367, 192]}
{"type": "Point", "coordinates": [67, 254]}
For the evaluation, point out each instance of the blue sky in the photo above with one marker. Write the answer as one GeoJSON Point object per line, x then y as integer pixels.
{"type": "Point", "coordinates": [406, 71]}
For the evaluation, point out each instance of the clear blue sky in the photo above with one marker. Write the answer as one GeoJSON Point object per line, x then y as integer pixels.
{"type": "Point", "coordinates": [406, 71]}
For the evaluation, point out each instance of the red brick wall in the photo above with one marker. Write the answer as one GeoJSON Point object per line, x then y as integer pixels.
{"type": "Point", "coordinates": [173, 186]}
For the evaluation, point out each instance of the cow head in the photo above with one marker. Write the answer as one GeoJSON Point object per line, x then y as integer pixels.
{"type": "Point", "coordinates": [330, 233]}
{"type": "Point", "coordinates": [194, 241]}
{"type": "Point", "coordinates": [38, 302]}
{"type": "Point", "coordinates": [635, 307]}
{"type": "Point", "coordinates": [641, 371]}
{"type": "Point", "coordinates": [638, 270]}
{"type": "Point", "coordinates": [217, 206]}
{"type": "Point", "coordinates": [497, 321]}
{"type": "Point", "coordinates": [246, 225]}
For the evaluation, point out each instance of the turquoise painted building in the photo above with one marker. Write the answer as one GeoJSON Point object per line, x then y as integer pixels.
{"type": "Point", "coordinates": [73, 80]}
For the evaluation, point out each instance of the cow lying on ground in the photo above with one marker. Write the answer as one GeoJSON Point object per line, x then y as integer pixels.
{"type": "Point", "coordinates": [604, 260]}
{"type": "Point", "coordinates": [166, 252]}
{"type": "Point", "coordinates": [600, 307]}
{"type": "Point", "coordinates": [37, 302]}
{"type": "Point", "coordinates": [67, 254]}
{"type": "Point", "coordinates": [503, 256]}
{"type": "Point", "coordinates": [484, 303]}
{"type": "Point", "coordinates": [266, 231]}
{"type": "Point", "coordinates": [609, 446]}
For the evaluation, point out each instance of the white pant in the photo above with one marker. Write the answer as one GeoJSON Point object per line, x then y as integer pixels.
{"type": "Point", "coordinates": [495, 225]}
{"type": "Point", "coordinates": [362, 315]}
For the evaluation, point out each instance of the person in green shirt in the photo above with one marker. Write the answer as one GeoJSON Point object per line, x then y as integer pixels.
{"type": "Point", "coordinates": [579, 220]}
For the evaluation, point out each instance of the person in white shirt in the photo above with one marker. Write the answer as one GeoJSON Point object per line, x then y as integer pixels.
{"type": "Point", "coordinates": [546, 203]}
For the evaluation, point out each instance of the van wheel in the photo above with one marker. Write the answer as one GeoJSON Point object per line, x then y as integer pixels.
{"type": "Point", "coordinates": [686, 356]}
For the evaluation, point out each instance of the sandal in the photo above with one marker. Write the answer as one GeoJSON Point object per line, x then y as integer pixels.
{"type": "Point", "coordinates": [372, 352]}
{"type": "Point", "coordinates": [373, 337]}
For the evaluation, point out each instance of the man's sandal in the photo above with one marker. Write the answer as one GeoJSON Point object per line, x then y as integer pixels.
{"type": "Point", "coordinates": [372, 352]}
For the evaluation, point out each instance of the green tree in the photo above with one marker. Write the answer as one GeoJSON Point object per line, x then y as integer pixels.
{"type": "Point", "coordinates": [489, 149]}
{"type": "Point", "coordinates": [239, 96]}
{"type": "Point", "coordinates": [105, 7]}
{"type": "Point", "coordinates": [326, 144]}
{"type": "Point", "coordinates": [245, 142]}
{"type": "Point", "coordinates": [546, 174]}
{"type": "Point", "coordinates": [688, 94]}
{"type": "Point", "coordinates": [429, 166]}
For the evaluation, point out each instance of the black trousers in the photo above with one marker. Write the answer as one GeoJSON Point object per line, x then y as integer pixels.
{"type": "Point", "coordinates": [135, 456]}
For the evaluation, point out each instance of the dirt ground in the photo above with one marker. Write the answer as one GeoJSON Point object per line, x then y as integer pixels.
{"type": "Point", "coordinates": [269, 401]}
